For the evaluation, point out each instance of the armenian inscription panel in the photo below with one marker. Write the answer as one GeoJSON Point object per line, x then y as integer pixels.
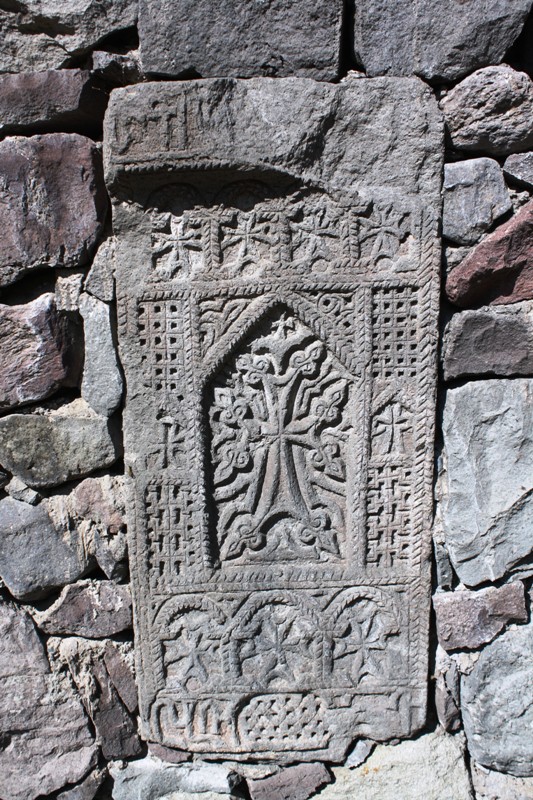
{"type": "Point", "coordinates": [278, 341]}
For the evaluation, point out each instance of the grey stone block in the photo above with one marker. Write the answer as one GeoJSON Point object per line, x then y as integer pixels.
{"type": "Point", "coordinates": [35, 555]}
{"type": "Point", "coordinates": [490, 112]}
{"type": "Point", "coordinates": [497, 703]}
{"type": "Point", "coordinates": [475, 196]}
{"type": "Point", "coordinates": [101, 384]}
{"type": "Point", "coordinates": [38, 35]}
{"type": "Point", "coordinates": [440, 40]}
{"type": "Point", "coordinates": [50, 448]}
{"type": "Point", "coordinates": [241, 39]}
{"type": "Point", "coordinates": [491, 341]}
{"type": "Point", "coordinates": [486, 492]}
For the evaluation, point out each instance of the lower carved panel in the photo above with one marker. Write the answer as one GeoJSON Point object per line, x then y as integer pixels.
{"type": "Point", "coordinates": [285, 726]}
{"type": "Point", "coordinates": [278, 671]}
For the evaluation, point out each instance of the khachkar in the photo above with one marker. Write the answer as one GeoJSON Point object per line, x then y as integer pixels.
{"type": "Point", "coordinates": [277, 278]}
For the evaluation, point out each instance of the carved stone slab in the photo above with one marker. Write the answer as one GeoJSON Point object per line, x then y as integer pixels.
{"type": "Point", "coordinates": [277, 275]}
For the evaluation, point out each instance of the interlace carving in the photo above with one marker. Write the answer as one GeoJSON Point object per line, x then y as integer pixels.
{"type": "Point", "coordinates": [278, 447]}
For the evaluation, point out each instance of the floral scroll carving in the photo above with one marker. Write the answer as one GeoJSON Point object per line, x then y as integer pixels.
{"type": "Point", "coordinates": [279, 433]}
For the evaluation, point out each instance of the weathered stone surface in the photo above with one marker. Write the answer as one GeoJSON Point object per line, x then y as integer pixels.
{"type": "Point", "coordinates": [359, 753]}
{"type": "Point", "coordinates": [431, 767]}
{"type": "Point", "coordinates": [94, 609]}
{"type": "Point", "coordinates": [497, 703]}
{"type": "Point", "coordinates": [151, 778]}
{"type": "Point", "coordinates": [87, 789]}
{"type": "Point", "coordinates": [168, 754]}
{"type": "Point", "coordinates": [117, 69]}
{"type": "Point", "coordinates": [120, 670]}
{"type": "Point", "coordinates": [18, 490]}
{"type": "Point", "coordinates": [496, 340]}
{"type": "Point", "coordinates": [486, 491]}
{"type": "Point", "coordinates": [491, 112]}
{"type": "Point", "coordinates": [46, 742]}
{"type": "Point", "coordinates": [101, 384]}
{"type": "Point", "coordinates": [447, 691]}
{"type": "Point", "coordinates": [37, 351]}
{"type": "Point", "coordinates": [475, 196]}
{"type": "Point", "coordinates": [56, 446]}
{"type": "Point", "coordinates": [300, 128]}
{"type": "Point", "coordinates": [96, 508]}
{"type": "Point", "coordinates": [68, 289]}
{"type": "Point", "coordinates": [116, 731]}
{"type": "Point", "coordinates": [500, 268]}
{"type": "Point", "coordinates": [54, 100]}
{"type": "Point", "coordinates": [471, 619]}
{"type": "Point", "coordinates": [292, 783]}
{"type": "Point", "coordinates": [519, 168]}
{"type": "Point", "coordinates": [242, 40]}
{"type": "Point", "coordinates": [53, 202]}
{"type": "Point", "coordinates": [100, 280]}
{"type": "Point", "coordinates": [22, 652]}
{"type": "Point", "coordinates": [248, 438]}
{"type": "Point", "coordinates": [492, 785]}
{"type": "Point", "coordinates": [37, 35]}
{"type": "Point", "coordinates": [440, 40]}
{"type": "Point", "coordinates": [35, 555]}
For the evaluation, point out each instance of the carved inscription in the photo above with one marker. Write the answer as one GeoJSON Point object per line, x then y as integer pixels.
{"type": "Point", "coordinates": [278, 341]}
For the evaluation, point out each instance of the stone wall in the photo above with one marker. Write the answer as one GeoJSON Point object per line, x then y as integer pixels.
{"type": "Point", "coordinates": [69, 726]}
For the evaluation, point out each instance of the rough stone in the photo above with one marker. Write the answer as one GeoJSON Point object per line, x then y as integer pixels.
{"type": "Point", "coordinates": [93, 609]}
{"type": "Point", "coordinates": [101, 384]}
{"type": "Point", "coordinates": [18, 490]}
{"type": "Point", "coordinates": [486, 491]}
{"type": "Point", "coordinates": [68, 289]}
{"type": "Point", "coordinates": [36, 36]}
{"type": "Point", "coordinates": [87, 789]}
{"type": "Point", "coordinates": [46, 742]}
{"type": "Point", "coordinates": [53, 202]}
{"type": "Point", "coordinates": [120, 670]}
{"type": "Point", "coordinates": [497, 703]}
{"type": "Point", "coordinates": [298, 128]}
{"type": "Point", "coordinates": [475, 196]}
{"type": "Point", "coordinates": [96, 507]}
{"type": "Point", "coordinates": [22, 652]}
{"type": "Point", "coordinates": [116, 69]}
{"type": "Point", "coordinates": [447, 684]}
{"type": "Point", "coordinates": [35, 556]}
{"type": "Point", "coordinates": [116, 732]}
{"type": "Point", "coordinates": [151, 778]}
{"type": "Point", "coordinates": [359, 753]}
{"type": "Point", "coordinates": [492, 785]}
{"type": "Point", "coordinates": [519, 168]}
{"type": "Point", "coordinates": [471, 619]}
{"type": "Point", "coordinates": [292, 783]}
{"type": "Point", "coordinates": [495, 340]}
{"type": "Point", "coordinates": [168, 754]}
{"type": "Point", "coordinates": [256, 577]}
{"type": "Point", "coordinates": [51, 448]}
{"type": "Point", "coordinates": [500, 268]}
{"type": "Point", "coordinates": [241, 40]}
{"type": "Point", "coordinates": [491, 112]}
{"type": "Point", "coordinates": [440, 40]}
{"type": "Point", "coordinates": [453, 255]}
{"type": "Point", "coordinates": [100, 280]}
{"type": "Point", "coordinates": [431, 767]}
{"type": "Point", "coordinates": [54, 100]}
{"type": "Point", "coordinates": [42, 345]}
